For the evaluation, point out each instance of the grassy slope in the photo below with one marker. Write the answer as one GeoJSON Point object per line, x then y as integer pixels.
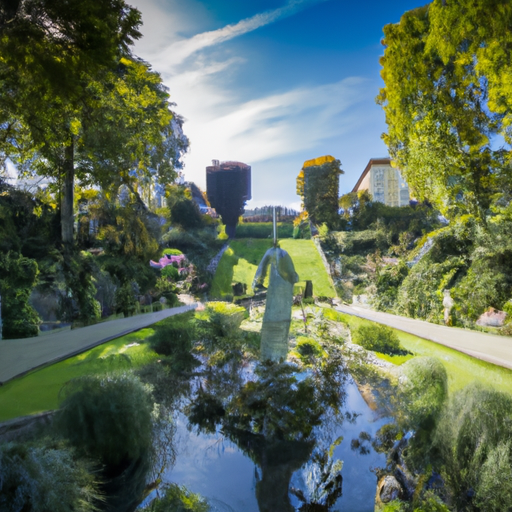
{"type": "Point", "coordinates": [461, 368]}
{"type": "Point", "coordinates": [39, 390]}
{"type": "Point", "coordinates": [240, 261]}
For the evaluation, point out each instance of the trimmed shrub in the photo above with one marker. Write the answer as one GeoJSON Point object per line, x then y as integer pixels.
{"type": "Point", "coordinates": [43, 478]}
{"type": "Point", "coordinates": [263, 230]}
{"type": "Point", "coordinates": [172, 252]}
{"type": "Point", "coordinates": [107, 418]}
{"type": "Point", "coordinates": [378, 338]}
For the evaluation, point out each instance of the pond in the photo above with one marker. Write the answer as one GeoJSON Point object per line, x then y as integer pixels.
{"type": "Point", "coordinates": [233, 475]}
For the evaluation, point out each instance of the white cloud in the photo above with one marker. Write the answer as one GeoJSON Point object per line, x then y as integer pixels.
{"type": "Point", "coordinates": [272, 132]}
{"type": "Point", "coordinates": [179, 51]}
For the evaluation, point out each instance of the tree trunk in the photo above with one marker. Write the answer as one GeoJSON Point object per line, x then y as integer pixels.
{"type": "Point", "coordinates": [68, 183]}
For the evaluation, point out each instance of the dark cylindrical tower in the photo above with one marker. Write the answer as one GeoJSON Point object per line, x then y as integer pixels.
{"type": "Point", "coordinates": [228, 187]}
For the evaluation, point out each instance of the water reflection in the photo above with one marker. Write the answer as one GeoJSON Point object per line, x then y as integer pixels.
{"type": "Point", "coordinates": [265, 437]}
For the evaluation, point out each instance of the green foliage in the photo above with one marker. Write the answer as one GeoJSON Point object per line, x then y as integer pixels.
{"type": "Point", "coordinates": [318, 185]}
{"type": "Point", "coordinates": [28, 224]}
{"type": "Point", "coordinates": [18, 275]}
{"type": "Point", "coordinates": [43, 477]}
{"type": "Point", "coordinates": [183, 210]}
{"type": "Point", "coordinates": [172, 252]}
{"type": "Point", "coordinates": [125, 300]}
{"type": "Point", "coordinates": [494, 487]}
{"type": "Point", "coordinates": [302, 230]}
{"type": "Point", "coordinates": [387, 283]}
{"type": "Point", "coordinates": [177, 498]}
{"type": "Point", "coordinates": [308, 349]}
{"type": "Point", "coordinates": [174, 339]}
{"type": "Point", "coordinates": [108, 418]}
{"type": "Point", "coordinates": [170, 272]}
{"type": "Point", "coordinates": [378, 338]}
{"type": "Point", "coordinates": [423, 389]}
{"type": "Point", "coordinates": [277, 405]}
{"type": "Point", "coordinates": [79, 302]}
{"type": "Point", "coordinates": [473, 436]}
{"type": "Point", "coordinates": [219, 325]}
{"type": "Point", "coordinates": [49, 110]}
{"type": "Point", "coordinates": [420, 295]}
{"type": "Point", "coordinates": [444, 100]}
{"type": "Point", "coordinates": [129, 232]}
{"type": "Point", "coordinates": [263, 230]}
{"type": "Point", "coordinates": [415, 220]}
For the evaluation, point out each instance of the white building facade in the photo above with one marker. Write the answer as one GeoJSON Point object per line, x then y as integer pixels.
{"type": "Point", "coordinates": [384, 183]}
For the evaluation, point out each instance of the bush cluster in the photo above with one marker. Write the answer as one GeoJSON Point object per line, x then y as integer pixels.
{"type": "Point", "coordinates": [174, 339]}
{"type": "Point", "coordinates": [219, 325]}
{"type": "Point", "coordinates": [378, 338]}
{"type": "Point", "coordinates": [45, 476]}
{"type": "Point", "coordinates": [107, 418]}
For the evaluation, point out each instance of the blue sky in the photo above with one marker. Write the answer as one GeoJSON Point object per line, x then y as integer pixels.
{"type": "Point", "coordinates": [272, 83]}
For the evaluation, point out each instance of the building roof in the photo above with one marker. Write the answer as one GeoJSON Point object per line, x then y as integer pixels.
{"type": "Point", "coordinates": [373, 161]}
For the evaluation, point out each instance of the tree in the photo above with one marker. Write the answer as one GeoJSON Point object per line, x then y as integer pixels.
{"type": "Point", "coordinates": [318, 186]}
{"type": "Point", "coordinates": [183, 210]}
{"type": "Point", "coordinates": [107, 122]}
{"type": "Point", "coordinates": [446, 95]}
{"type": "Point", "coordinates": [50, 53]}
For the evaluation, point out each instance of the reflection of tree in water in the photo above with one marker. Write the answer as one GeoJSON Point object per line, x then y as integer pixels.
{"type": "Point", "coordinates": [271, 416]}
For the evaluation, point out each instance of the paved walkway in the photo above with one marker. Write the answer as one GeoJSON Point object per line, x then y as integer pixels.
{"type": "Point", "coordinates": [18, 357]}
{"type": "Point", "coordinates": [488, 347]}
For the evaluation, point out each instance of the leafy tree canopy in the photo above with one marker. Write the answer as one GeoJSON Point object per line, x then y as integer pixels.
{"type": "Point", "coordinates": [447, 94]}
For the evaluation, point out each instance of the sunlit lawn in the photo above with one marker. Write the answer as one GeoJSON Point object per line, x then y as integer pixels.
{"type": "Point", "coordinates": [240, 262]}
{"type": "Point", "coordinates": [461, 368]}
{"type": "Point", "coordinates": [39, 390]}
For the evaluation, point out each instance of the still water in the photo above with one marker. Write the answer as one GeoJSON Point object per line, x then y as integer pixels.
{"type": "Point", "coordinates": [216, 468]}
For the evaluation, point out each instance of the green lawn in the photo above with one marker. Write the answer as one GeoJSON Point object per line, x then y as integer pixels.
{"type": "Point", "coordinates": [39, 390]}
{"type": "Point", "coordinates": [461, 368]}
{"type": "Point", "coordinates": [241, 259]}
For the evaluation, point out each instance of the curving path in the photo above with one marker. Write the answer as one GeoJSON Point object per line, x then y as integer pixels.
{"type": "Point", "coordinates": [487, 347]}
{"type": "Point", "coordinates": [18, 357]}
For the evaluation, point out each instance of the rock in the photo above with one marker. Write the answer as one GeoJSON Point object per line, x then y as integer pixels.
{"type": "Point", "coordinates": [492, 318]}
{"type": "Point", "coordinates": [388, 489]}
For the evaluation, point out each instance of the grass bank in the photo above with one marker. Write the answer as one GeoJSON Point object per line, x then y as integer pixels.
{"type": "Point", "coordinates": [461, 368]}
{"type": "Point", "coordinates": [39, 390]}
{"type": "Point", "coordinates": [241, 259]}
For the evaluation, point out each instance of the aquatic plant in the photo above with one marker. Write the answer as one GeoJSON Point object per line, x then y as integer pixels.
{"type": "Point", "coordinates": [107, 418]}
{"type": "Point", "coordinates": [45, 476]}
{"type": "Point", "coordinates": [473, 440]}
{"type": "Point", "coordinates": [177, 498]}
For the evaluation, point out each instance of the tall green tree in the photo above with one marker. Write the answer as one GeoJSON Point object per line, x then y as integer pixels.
{"type": "Point", "coordinates": [447, 94]}
{"type": "Point", "coordinates": [76, 104]}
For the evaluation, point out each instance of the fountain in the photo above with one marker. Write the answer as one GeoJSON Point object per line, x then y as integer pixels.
{"type": "Point", "coordinates": [278, 307]}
